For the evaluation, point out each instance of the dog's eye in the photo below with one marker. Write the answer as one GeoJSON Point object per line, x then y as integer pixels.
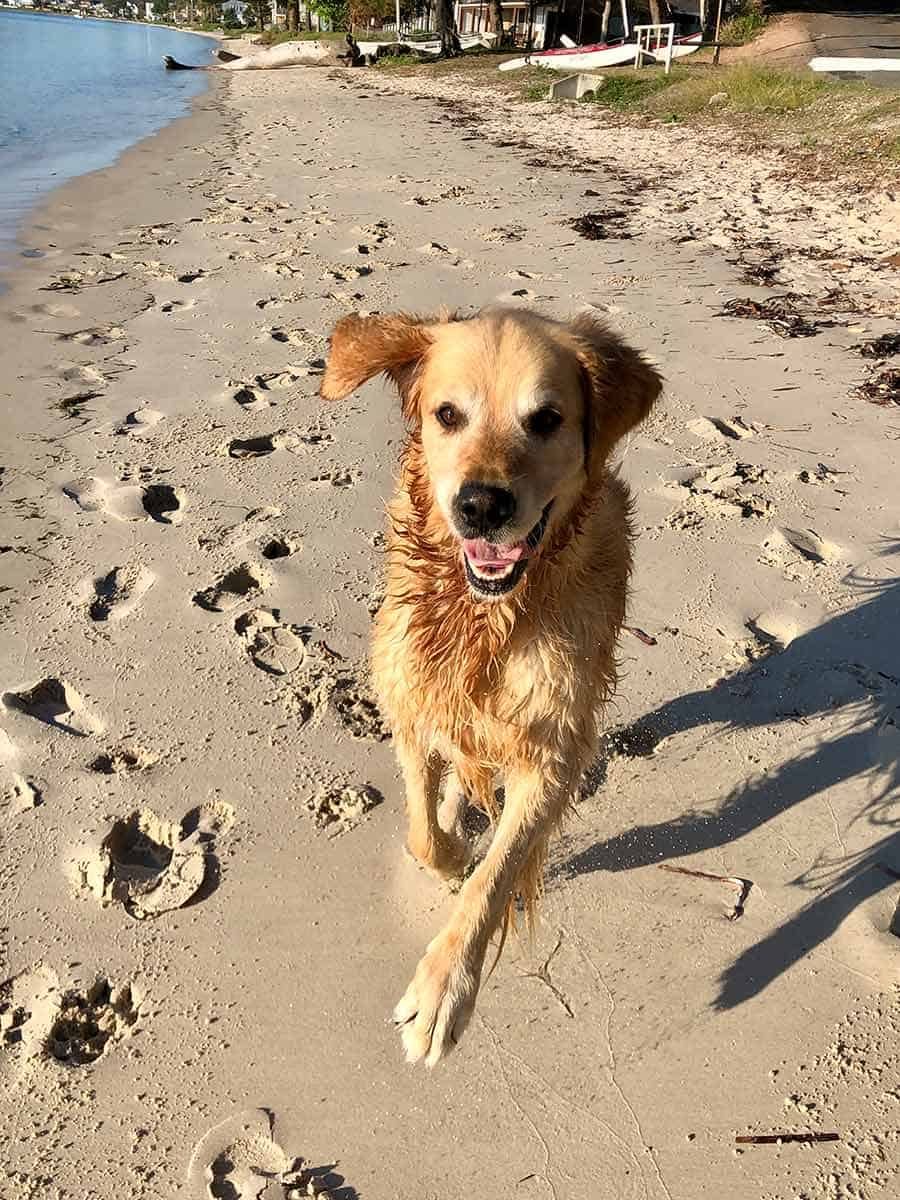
{"type": "Point", "coordinates": [544, 422]}
{"type": "Point", "coordinates": [450, 417]}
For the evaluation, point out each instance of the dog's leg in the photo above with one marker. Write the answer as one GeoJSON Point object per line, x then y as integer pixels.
{"type": "Point", "coordinates": [452, 810]}
{"type": "Point", "coordinates": [439, 1002]}
{"type": "Point", "coordinates": [427, 841]}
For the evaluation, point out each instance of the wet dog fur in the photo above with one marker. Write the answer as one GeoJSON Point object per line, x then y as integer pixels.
{"type": "Point", "coordinates": [509, 553]}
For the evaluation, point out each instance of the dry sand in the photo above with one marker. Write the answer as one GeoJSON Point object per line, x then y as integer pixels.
{"type": "Point", "coordinates": [205, 912]}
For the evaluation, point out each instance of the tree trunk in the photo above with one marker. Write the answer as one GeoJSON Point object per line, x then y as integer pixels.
{"type": "Point", "coordinates": [655, 14]}
{"type": "Point", "coordinates": [293, 15]}
{"type": "Point", "coordinates": [446, 23]}
{"type": "Point", "coordinates": [604, 20]}
{"type": "Point", "coordinates": [497, 21]}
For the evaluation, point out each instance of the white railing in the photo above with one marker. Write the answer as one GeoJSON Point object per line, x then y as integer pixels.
{"type": "Point", "coordinates": [658, 38]}
{"type": "Point", "coordinates": [424, 24]}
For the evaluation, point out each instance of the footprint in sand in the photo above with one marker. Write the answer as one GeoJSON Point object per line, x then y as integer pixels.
{"type": "Point", "coordinates": [242, 582]}
{"type": "Point", "coordinates": [254, 524]}
{"type": "Point", "coordinates": [338, 478]}
{"type": "Point", "coordinates": [259, 447]}
{"type": "Point", "coordinates": [74, 281]}
{"type": "Point", "coordinates": [87, 1023]}
{"type": "Point", "coordinates": [73, 406]}
{"type": "Point", "coordinates": [39, 1021]}
{"type": "Point", "coordinates": [272, 646]}
{"type": "Point", "coordinates": [115, 595]}
{"type": "Point", "coordinates": [279, 301]}
{"type": "Point", "coordinates": [54, 702]}
{"type": "Point", "coordinates": [357, 711]}
{"type": "Point", "coordinates": [448, 255]}
{"type": "Point", "coordinates": [279, 547]}
{"type": "Point", "coordinates": [240, 1159]}
{"type": "Point", "coordinates": [520, 295]}
{"type": "Point", "coordinates": [29, 1004]}
{"type": "Point", "coordinates": [177, 306]}
{"type": "Point", "coordinates": [20, 796]}
{"type": "Point", "coordinates": [140, 420]}
{"type": "Point", "coordinates": [55, 310]}
{"type": "Point", "coordinates": [253, 395]}
{"type": "Point", "coordinates": [150, 865]}
{"type": "Point", "coordinates": [784, 545]}
{"type": "Point", "coordinates": [344, 806]}
{"type": "Point", "coordinates": [80, 373]}
{"type": "Point", "coordinates": [289, 337]}
{"type": "Point", "coordinates": [102, 335]}
{"type": "Point", "coordinates": [251, 398]}
{"type": "Point", "coordinates": [341, 273]}
{"type": "Point", "coordinates": [155, 501]}
{"type": "Point", "coordinates": [123, 760]}
{"type": "Point", "coordinates": [717, 429]}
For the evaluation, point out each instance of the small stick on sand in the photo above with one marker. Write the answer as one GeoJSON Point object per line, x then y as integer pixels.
{"type": "Point", "coordinates": [640, 635]}
{"type": "Point", "coordinates": [775, 1139]}
{"type": "Point", "coordinates": [742, 886]}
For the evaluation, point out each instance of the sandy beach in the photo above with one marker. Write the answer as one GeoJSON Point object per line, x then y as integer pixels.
{"type": "Point", "coordinates": [206, 913]}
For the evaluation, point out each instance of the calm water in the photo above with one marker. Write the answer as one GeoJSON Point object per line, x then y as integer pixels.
{"type": "Point", "coordinates": [75, 93]}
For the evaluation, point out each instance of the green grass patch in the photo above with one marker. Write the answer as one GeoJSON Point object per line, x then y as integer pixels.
{"type": "Point", "coordinates": [391, 61]}
{"type": "Point", "coordinates": [632, 89]}
{"type": "Point", "coordinates": [274, 37]}
{"type": "Point", "coordinates": [740, 89]}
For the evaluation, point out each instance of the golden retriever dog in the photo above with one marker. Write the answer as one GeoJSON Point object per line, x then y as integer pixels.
{"type": "Point", "coordinates": [509, 552]}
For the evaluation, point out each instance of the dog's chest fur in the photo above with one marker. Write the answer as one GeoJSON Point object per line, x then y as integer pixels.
{"type": "Point", "coordinates": [514, 679]}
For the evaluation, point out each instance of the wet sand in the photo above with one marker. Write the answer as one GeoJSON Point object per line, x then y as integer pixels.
{"type": "Point", "coordinates": [205, 909]}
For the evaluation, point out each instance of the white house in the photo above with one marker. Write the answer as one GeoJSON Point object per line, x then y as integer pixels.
{"type": "Point", "coordinates": [238, 8]}
{"type": "Point", "coordinates": [475, 17]}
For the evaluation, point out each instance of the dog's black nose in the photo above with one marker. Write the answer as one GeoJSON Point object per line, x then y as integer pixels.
{"type": "Point", "coordinates": [480, 509]}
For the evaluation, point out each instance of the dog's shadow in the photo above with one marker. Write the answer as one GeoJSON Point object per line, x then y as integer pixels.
{"type": "Point", "coordinates": [848, 669]}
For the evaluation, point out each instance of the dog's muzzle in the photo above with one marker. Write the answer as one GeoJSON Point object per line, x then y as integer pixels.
{"type": "Point", "coordinates": [493, 569]}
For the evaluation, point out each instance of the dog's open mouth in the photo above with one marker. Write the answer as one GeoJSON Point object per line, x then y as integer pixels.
{"type": "Point", "coordinates": [493, 569]}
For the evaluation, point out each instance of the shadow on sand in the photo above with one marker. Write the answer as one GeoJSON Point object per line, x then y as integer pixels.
{"type": "Point", "coordinates": [846, 670]}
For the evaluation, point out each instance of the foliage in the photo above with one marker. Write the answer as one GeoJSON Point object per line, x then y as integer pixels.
{"type": "Point", "coordinates": [747, 20]}
{"type": "Point", "coordinates": [274, 37]}
{"type": "Point", "coordinates": [632, 88]}
{"type": "Point", "coordinates": [396, 60]}
{"type": "Point", "coordinates": [364, 11]}
{"type": "Point", "coordinates": [333, 11]}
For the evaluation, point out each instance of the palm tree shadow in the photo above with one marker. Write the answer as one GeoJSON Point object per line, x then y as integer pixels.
{"type": "Point", "coordinates": [849, 668]}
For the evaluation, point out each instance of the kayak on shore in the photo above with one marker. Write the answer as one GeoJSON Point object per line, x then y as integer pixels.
{"type": "Point", "coordinates": [600, 54]}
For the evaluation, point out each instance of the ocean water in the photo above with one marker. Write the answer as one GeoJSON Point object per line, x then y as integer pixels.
{"type": "Point", "coordinates": [75, 93]}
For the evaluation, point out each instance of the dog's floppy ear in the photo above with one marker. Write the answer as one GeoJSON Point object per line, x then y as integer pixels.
{"type": "Point", "coordinates": [365, 346]}
{"type": "Point", "coordinates": [620, 385]}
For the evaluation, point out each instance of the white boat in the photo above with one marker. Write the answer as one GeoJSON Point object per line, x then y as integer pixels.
{"type": "Point", "coordinates": [602, 54]}
{"type": "Point", "coordinates": [466, 42]}
{"type": "Point", "coordinates": [578, 58]}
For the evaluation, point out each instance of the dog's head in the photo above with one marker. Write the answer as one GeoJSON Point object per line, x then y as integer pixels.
{"type": "Point", "coordinates": [517, 415]}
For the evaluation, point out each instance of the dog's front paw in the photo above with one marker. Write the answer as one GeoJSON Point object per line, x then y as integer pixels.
{"type": "Point", "coordinates": [438, 1003]}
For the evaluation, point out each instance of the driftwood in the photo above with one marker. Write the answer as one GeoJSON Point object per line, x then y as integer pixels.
{"type": "Point", "coordinates": [286, 54]}
{"type": "Point", "coordinates": [775, 1139]}
{"type": "Point", "coordinates": [741, 886]}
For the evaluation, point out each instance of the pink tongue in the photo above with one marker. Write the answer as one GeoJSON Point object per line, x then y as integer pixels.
{"type": "Point", "coordinates": [486, 554]}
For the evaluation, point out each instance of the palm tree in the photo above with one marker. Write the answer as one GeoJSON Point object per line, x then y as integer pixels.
{"type": "Point", "coordinates": [497, 21]}
{"type": "Point", "coordinates": [447, 31]}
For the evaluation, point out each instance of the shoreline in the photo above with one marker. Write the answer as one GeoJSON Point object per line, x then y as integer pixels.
{"type": "Point", "coordinates": [163, 433]}
{"type": "Point", "coordinates": [77, 196]}
{"type": "Point", "coordinates": [45, 12]}
{"type": "Point", "coordinates": [19, 240]}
